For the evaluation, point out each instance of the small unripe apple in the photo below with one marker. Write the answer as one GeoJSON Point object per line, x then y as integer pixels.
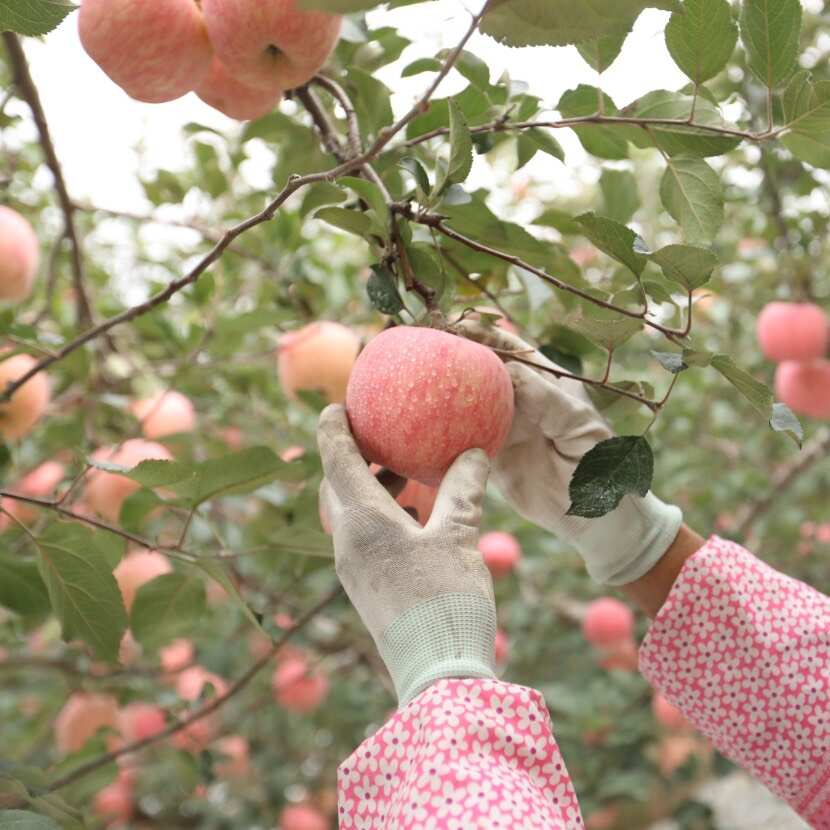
{"type": "Point", "coordinates": [667, 714]}
{"type": "Point", "coordinates": [501, 552]}
{"type": "Point", "coordinates": [166, 413]}
{"type": "Point", "coordinates": [502, 646]}
{"type": "Point", "coordinates": [19, 256]}
{"type": "Point", "coordinates": [805, 387]}
{"type": "Point", "coordinates": [418, 397]}
{"type": "Point", "coordinates": [176, 656]}
{"type": "Point", "coordinates": [274, 45]}
{"type": "Point", "coordinates": [155, 50]}
{"type": "Point", "coordinates": [137, 721]}
{"type": "Point", "coordinates": [243, 102]}
{"type": "Point", "coordinates": [297, 687]}
{"type": "Point", "coordinates": [302, 817]}
{"type": "Point", "coordinates": [106, 492]}
{"type": "Point", "coordinates": [236, 764]}
{"type": "Point", "coordinates": [40, 482]}
{"type": "Point", "coordinates": [793, 331]}
{"type": "Point", "coordinates": [27, 405]}
{"type": "Point", "coordinates": [81, 717]}
{"type": "Point", "coordinates": [607, 622]}
{"type": "Point", "coordinates": [136, 569]}
{"type": "Point", "coordinates": [114, 803]}
{"type": "Point", "coordinates": [317, 357]}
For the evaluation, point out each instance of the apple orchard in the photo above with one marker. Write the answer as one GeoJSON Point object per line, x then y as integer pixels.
{"type": "Point", "coordinates": [175, 650]}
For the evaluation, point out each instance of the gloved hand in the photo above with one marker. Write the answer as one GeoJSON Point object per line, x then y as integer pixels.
{"type": "Point", "coordinates": [554, 425]}
{"type": "Point", "coordinates": [424, 593]}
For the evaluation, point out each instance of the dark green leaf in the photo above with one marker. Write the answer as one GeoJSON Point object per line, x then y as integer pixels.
{"type": "Point", "coordinates": [613, 238]}
{"type": "Point", "coordinates": [461, 149]}
{"type": "Point", "coordinates": [352, 221]}
{"type": "Point", "coordinates": [692, 192]}
{"type": "Point", "coordinates": [757, 393]}
{"type": "Point", "coordinates": [383, 292]}
{"type": "Point", "coordinates": [770, 31]}
{"type": "Point", "coordinates": [413, 166]}
{"type": "Point", "coordinates": [167, 607]}
{"type": "Point", "coordinates": [569, 362]}
{"type": "Point", "coordinates": [599, 140]}
{"type": "Point", "coordinates": [701, 38]}
{"type": "Point", "coordinates": [33, 17]}
{"type": "Point", "coordinates": [82, 589]}
{"type": "Point", "coordinates": [601, 52]}
{"type": "Point", "coordinates": [807, 113]}
{"type": "Point", "coordinates": [371, 100]}
{"type": "Point", "coordinates": [687, 265]}
{"type": "Point", "coordinates": [21, 587]}
{"type": "Point", "coordinates": [611, 470]}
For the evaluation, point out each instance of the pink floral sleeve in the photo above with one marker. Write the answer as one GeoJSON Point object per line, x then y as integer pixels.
{"type": "Point", "coordinates": [744, 651]}
{"type": "Point", "coordinates": [465, 754]}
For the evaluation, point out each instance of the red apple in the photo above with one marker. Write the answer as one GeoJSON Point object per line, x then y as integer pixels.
{"type": "Point", "coordinates": [502, 646]}
{"type": "Point", "coordinates": [668, 715]}
{"type": "Point", "coordinates": [417, 398]}
{"type": "Point", "coordinates": [501, 552]}
{"type": "Point", "coordinates": [805, 387]}
{"type": "Point", "coordinates": [302, 817]}
{"type": "Point", "coordinates": [176, 656]}
{"type": "Point", "coordinates": [106, 492]}
{"type": "Point", "coordinates": [621, 655]}
{"type": "Point", "coordinates": [138, 721]}
{"type": "Point", "coordinates": [318, 357]}
{"type": "Point", "coordinates": [40, 482]}
{"type": "Point", "coordinates": [192, 681]}
{"type": "Point", "coordinates": [607, 622]}
{"type": "Point", "coordinates": [166, 413]}
{"type": "Point", "coordinates": [273, 45]}
{"type": "Point", "coordinates": [155, 50]}
{"type": "Point", "coordinates": [81, 717]}
{"type": "Point", "coordinates": [297, 687]}
{"type": "Point", "coordinates": [27, 405]}
{"type": "Point", "coordinates": [114, 803]}
{"type": "Point", "coordinates": [793, 331]}
{"type": "Point", "coordinates": [235, 99]}
{"type": "Point", "coordinates": [236, 764]}
{"type": "Point", "coordinates": [19, 256]}
{"type": "Point", "coordinates": [136, 569]}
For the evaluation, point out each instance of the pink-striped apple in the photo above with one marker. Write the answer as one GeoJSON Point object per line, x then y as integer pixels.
{"type": "Point", "coordinates": [805, 387]}
{"type": "Point", "coordinates": [273, 45]}
{"type": "Point", "coordinates": [139, 720]}
{"type": "Point", "coordinates": [318, 357]}
{"type": "Point", "coordinates": [793, 331]}
{"type": "Point", "coordinates": [155, 50]}
{"type": "Point", "coordinates": [244, 102]}
{"type": "Point", "coordinates": [418, 397]}
{"type": "Point", "coordinates": [501, 552]}
{"type": "Point", "coordinates": [297, 687]}
{"type": "Point", "coordinates": [236, 763]}
{"type": "Point", "coordinates": [19, 256]}
{"type": "Point", "coordinates": [302, 817]}
{"type": "Point", "coordinates": [668, 715]}
{"type": "Point", "coordinates": [114, 804]}
{"type": "Point", "coordinates": [105, 491]}
{"type": "Point", "coordinates": [27, 405]}
{"type": "Point", "coordinates": [136, 569]}
{"type": "Point", "coordinates": [166, 413]}
{"type": "Point", "coordinates": [81, 717]}
{"type": "Point", "coordinates": [607, 622]}
{"type": "Point", "coordinates": [40, 482]}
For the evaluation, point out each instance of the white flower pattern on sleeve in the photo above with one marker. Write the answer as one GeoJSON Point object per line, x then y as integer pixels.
{"type": "Point", "coordinates": [744, 652]}
{"type": "Point", "coordinates": [480, 755]}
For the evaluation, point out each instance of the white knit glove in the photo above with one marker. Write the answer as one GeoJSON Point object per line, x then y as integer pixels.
{"type": "Point", "coordinates": [424, 593]}
{"type": "Point", "coordinates": [554, 425]}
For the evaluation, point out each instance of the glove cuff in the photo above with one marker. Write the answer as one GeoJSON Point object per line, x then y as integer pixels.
{"type": "Point", "coordinates": [451, 635]}
{"type": "Point", "coordinates": [627, 543]}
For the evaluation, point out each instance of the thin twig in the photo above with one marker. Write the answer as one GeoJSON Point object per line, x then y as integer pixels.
{"type": "Point", "coordinates": [23, 81]}
{"type": "Point", "coordinates": [203, 711]}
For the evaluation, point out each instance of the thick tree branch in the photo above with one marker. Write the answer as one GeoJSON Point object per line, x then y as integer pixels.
{"type": "Point", "coordinates": [209, 708]}
{"type": "Point", "coordinates": [816, 450]}
{"type": "Point", "coordinates": [23, 81]}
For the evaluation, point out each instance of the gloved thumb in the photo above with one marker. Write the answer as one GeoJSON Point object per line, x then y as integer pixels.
{"type": "Point", "coordinates": [460, 496]}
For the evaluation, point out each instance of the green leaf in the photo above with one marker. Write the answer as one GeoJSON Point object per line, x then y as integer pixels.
{"type": "Point", "coordinates": [697, 357]}
{"type": "Point", "coordinates": [757, 393]}
{"type": "Point", "coordinates": [560, 22]}
{"type": "Point", "coordinates": [371, 194]}
{"type": "Point", "coordinates": [415, 168]}
{"type": "Point", "coordinates": [566, 224]}
{"type": "Point", "coordinates": [383, 292]}
{"type": "Point", "coordinates": [371, 100]}
{"type": "Point", "coordinates": [83, 592]}
{"type": "Point", "coordinates": [216, 571]}
{"type": "Point", "coordinates": [608, 472]}
{"type": "Point", "coordinates": [619, 193]}
{"type": "Point", "coordinates": [688, 265]}
{"type": "Point", "coordinates": [615, 239]}
{"type": "Point", "coordinates": [545, 142]}
{"type": "Point", "coordinates": [770, 31]}
{"type": "Point", "coordinates": [609, 329]}
{"type": "Point", "coordinates": [23, 819]}
{"type": "Point", "coordinates": [702, 38]}
{"type": "Point", "coordinates": [167, 607]}
{"type": "Point", "coordinates": [601, 52]}
{"type": "Point", "coordinates": [320, 194]}
{"type": "Point", "coordinates": [353, 221]}
{"type": "Point", "coordinates": [599, 140]}
{"type": "Point", "coordinates": [33, 17]}
{"type": "Point", "coordinates": [783, 420]}
{"type": "Point", "coordinates": [691, 191]}
{"type": "Point", "coordinates": [807, 113]}
{"type": "Point", "coordinates": [472, 67]}
{"type": "Point", "coordinates": [461, 150]}
{"type": "Point", "coordinates": [21, 587]}
{"type": "Point", "coordinates": [670, 361]}
{"type": "Point", "coordinates": [421, 65]}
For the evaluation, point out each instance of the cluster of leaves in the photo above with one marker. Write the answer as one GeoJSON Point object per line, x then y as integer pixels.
{"type": "Point", "coordinates": [659, 227]}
